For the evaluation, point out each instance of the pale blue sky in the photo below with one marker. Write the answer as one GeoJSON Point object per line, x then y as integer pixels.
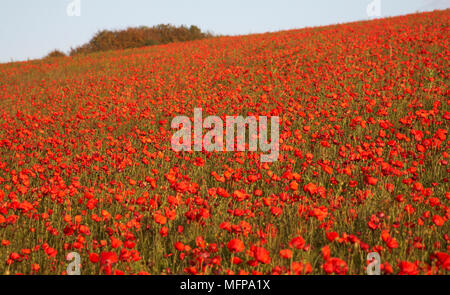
{"type": "Point", "coordinates": [32, 28]}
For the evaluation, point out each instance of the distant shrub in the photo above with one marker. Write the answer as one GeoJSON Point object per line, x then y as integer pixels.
{"type": "Point", "coordinates": [55, 53]}
{"type": "Point", "coordinates": [139, 37]}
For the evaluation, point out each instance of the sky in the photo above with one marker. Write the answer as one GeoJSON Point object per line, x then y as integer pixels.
{"type": "Point", "coordinates": [32, 28]}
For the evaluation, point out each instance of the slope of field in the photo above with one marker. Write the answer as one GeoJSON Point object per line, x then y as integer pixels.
{"type": "Point", "coordinates": [86, 164]}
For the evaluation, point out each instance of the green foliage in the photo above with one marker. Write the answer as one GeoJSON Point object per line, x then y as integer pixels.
{"type": "Point", "coordinates": [55, 53]}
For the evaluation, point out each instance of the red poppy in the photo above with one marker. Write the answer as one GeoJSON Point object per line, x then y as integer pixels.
{"type": "Point", "coordinates": [108, 258]}
{"type": "Point", "coordinates": [236, 245]}
{"type": "Point", "coordinates": [286, 253]}
{"type": "Point", "coordinates": [297, 242]}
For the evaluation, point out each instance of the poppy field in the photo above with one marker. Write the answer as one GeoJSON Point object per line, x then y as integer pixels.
{"type": "Point", "coordinates": [86, 163]}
